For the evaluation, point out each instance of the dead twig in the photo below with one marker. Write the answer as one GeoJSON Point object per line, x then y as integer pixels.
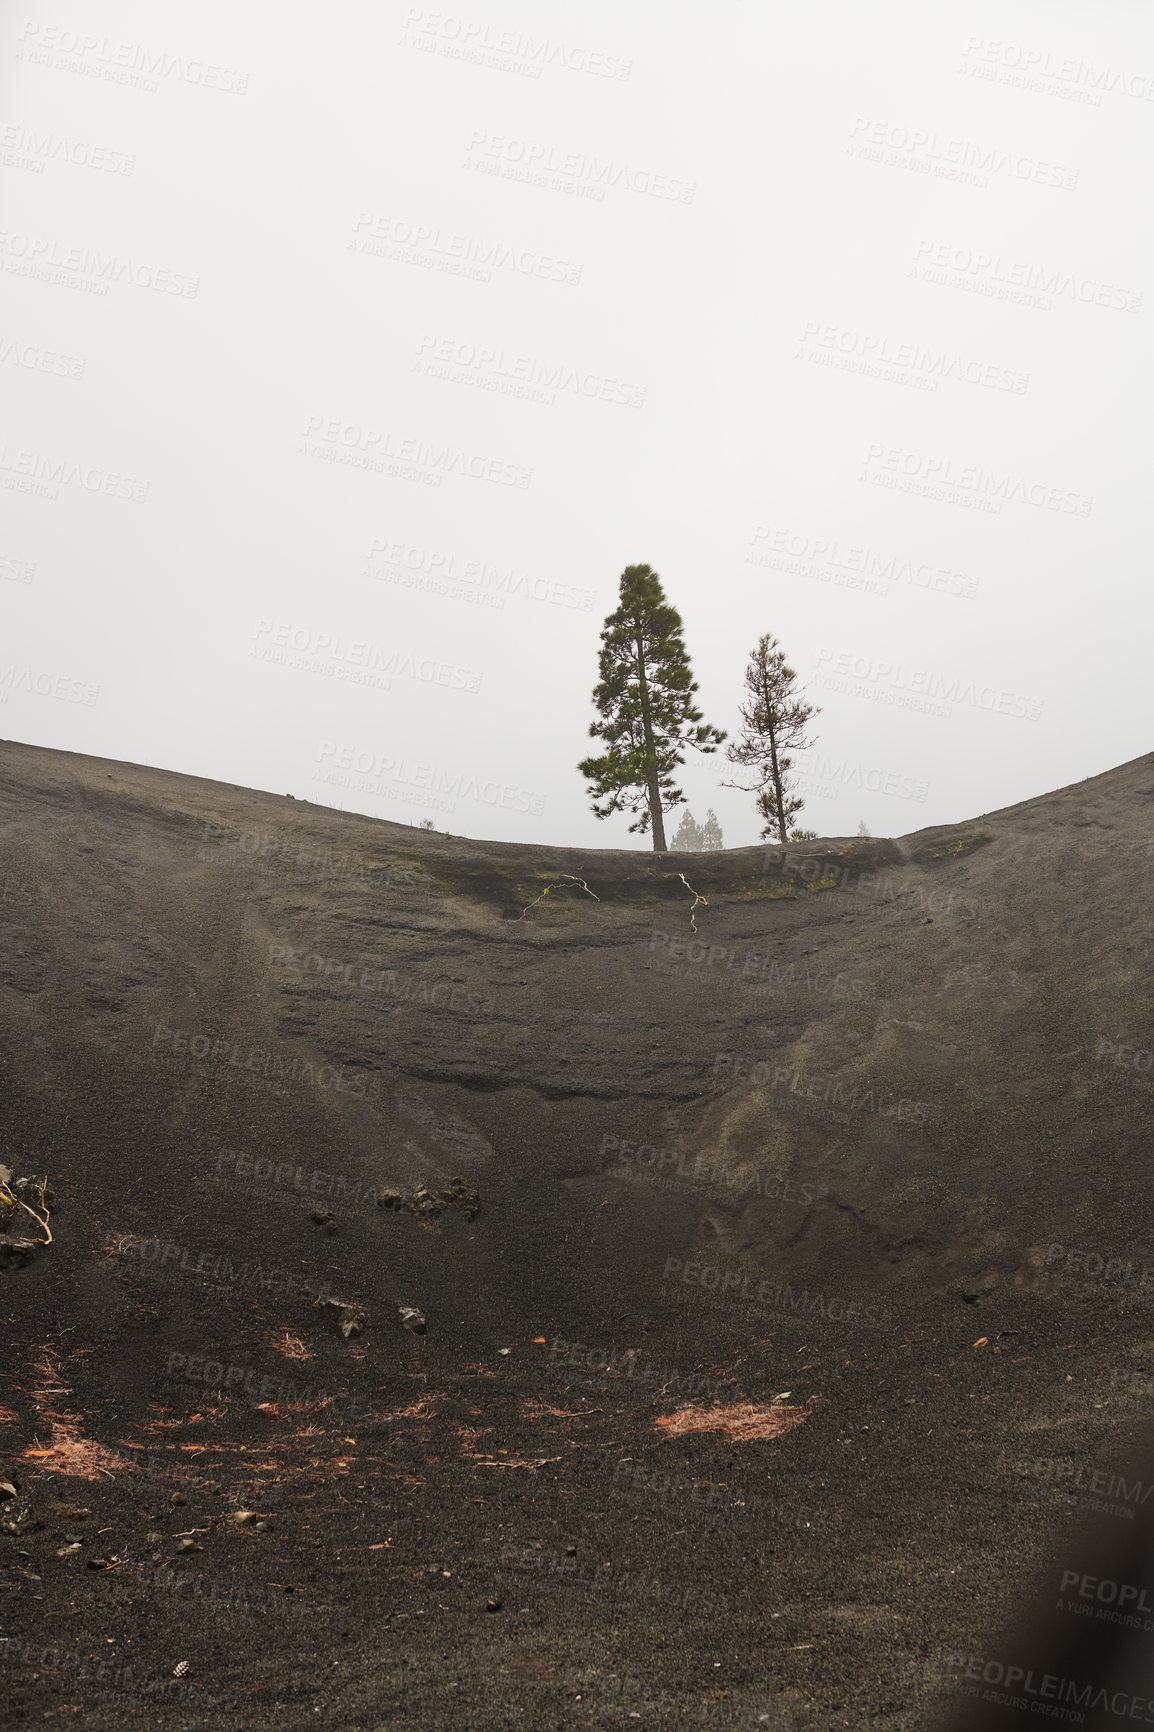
{"type": "Point", "coordinates": [697, 897]}
{"type": "Point", "coordinates": [565, 878]}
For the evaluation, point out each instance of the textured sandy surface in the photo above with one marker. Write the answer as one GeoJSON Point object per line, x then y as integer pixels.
{"type": "Point", "coordinates": [871, 1146]}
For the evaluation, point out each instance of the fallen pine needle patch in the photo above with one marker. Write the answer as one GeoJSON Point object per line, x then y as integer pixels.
{"type": "Point", "coordinates": [740, 1421]}
{"type": "Point", "coordinates": [290, 1345]}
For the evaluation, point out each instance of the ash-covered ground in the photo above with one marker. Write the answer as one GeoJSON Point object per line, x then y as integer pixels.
{"type": "Point", "coordinates": [842, 1151]}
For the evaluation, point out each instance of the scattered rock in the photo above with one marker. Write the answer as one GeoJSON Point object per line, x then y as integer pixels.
{"type": "Point", "coordinates": [26, 1525]}
{"type": "Point", "coordinates": [7, 1489]}
{"type": "Point", "coordinates": [324, 1218]}
{"type": "Point", "coordinates": [425, 1206]}
{"type": "Point", "coordinates": [188, 1545]}
{"type": "Point", "coordinates": [412, 1318]}
{"type": "Point", "coordinates": [99, 1563]}
{"type": "Point", "coordinates": [461, 1196]}
{"type": "Point", "coordinates": [67, 1551]}
{"type": "Point", "coordinates": [244, 1515]}
{"type": "Point", "coordinates": [349, 1318]}
{"type": "Point", "coordinates": [492, 1605]}
{"type": "Point", "coordinates": [390, 1200]}
{"type": "Point", "coordinates": [17, 1253]}
{"type": "Point", "coordinates": [36, 1193]}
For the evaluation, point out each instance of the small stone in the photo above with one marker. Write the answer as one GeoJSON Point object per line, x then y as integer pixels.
{"type": "Point", "coordinates": [412, 1318]}
{"type": "Point", "coordinates": [390, 1200]}
{"type": "Point", "coordinates": [188, 1545]}
{"type": "Point", "coordinates": [7, 1489]}
{"type": "Point", "coordinates": [17, 1253]}
{"type": "Point", "coordinates": [424, 1205]}
{"type": "Point", "coordinates": [349, 1318]}
{"type": "Point", "coordinates": [492, 1605]}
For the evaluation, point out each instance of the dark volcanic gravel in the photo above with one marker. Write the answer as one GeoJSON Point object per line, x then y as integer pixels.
{"type": "Point", "coordinates": [863, 1160]}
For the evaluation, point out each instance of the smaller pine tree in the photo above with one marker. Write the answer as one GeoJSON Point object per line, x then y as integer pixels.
{"type": "Point", "coordinates": [861, 829]}
{"type": "Point", "coordinates": [688, 837]}
{"type": "Point", "coordinates": [710, 833]}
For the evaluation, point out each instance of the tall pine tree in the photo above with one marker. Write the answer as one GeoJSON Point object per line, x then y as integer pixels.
{"type": "Point", "coordinates": [645, 702]}
{"type": "Point", "coordinates": [775, 719]}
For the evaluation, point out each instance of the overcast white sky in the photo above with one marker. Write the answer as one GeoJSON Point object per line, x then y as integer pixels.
{"type": "Point", "coordinates": [350, 356]}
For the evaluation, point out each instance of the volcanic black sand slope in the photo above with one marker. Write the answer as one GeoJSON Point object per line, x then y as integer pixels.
{"type": "Point", "coordinates": [496, 1285]}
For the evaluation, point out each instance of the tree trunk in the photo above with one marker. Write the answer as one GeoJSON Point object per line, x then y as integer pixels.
{"type": "Point", "coordinates": [777, 788]}
{"type": "Point", "coordinates": [659, 843]}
